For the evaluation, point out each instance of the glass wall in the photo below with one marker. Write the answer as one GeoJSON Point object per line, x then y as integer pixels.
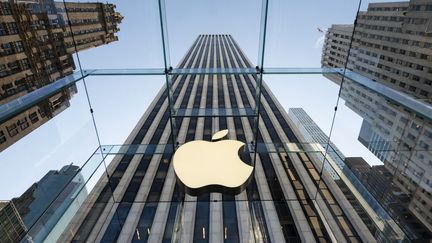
{"type": "Point", "coordinates": [331, 100]}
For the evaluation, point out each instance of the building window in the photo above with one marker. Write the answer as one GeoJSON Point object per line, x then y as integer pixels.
{"type": "Point", "coordinates": [3, 72]}
{"type": "Point", "coordinates": [5, 9]}
{"type": "Point", "coordinates": [34, 117]}
{"type": "Point", "coordinates": [12, 130]}
{"type": "Point", "coordinates": [24, 64]}
{"type": "Point", "coordinates": [2, 30]}
{"type": "Point", "coordinates": [7, 49]}
{"type": "Point", "coordinates": [23, 123]}
{"type": "Point", "coordinates": [42, 113]}
{"type": "Point", "coordinates": [14, 67]}
{"type": "Point", "coordinates": [2, 137]}
{"type": "Point", "coordinates": [19, 46]}
{"type": "Point", "coordinates": [423, 93]}
{"type": "Point", "coordinates": [12, 28]}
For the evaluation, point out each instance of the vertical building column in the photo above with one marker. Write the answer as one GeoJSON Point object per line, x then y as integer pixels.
{"type": "Point", "coordinates": [110, 209]}
{"type": "Point", "coordinates": [136, 209]}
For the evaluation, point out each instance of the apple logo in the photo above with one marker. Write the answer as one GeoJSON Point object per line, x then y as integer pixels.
{"type": "Point", "coordinates": [202, 166]}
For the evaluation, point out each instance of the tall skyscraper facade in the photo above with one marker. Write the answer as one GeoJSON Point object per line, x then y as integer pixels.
{"type": "Point", "coordinates": [37, 40]}
{"type": "Point", "coordinates": [391, 46]}
{"type": "Point", "coordinates": [285, 201]}
{"type": "Point", "coordinates": [312, 133]}
{"type": "Point", "coordinates": [335, 162]}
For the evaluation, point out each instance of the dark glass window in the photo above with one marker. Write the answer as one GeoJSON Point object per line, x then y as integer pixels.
{"type": "Point", "coordinates": [23, 123]}
{"type": "Point", "coordinates": [2, 137]}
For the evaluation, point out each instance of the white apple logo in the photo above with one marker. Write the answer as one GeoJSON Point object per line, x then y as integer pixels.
{"type": "Point", "coordinates": [203, 166]}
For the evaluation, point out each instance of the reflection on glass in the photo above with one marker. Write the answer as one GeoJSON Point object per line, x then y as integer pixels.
{"type": "Point", "coordinates": [41, 207]}
{"type": "Point", "coordinates": [390, 46]}
{"type": "Point", "coordinates": [303, 188]}
{"type": "Point", "coordinates": [25, 122]}
{"type": "Point", "coordinates": [38, 40]}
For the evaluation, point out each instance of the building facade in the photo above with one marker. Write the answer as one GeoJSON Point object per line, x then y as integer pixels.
{"type": "Point", "coordinates": [336, 166]}
{"type": "Point", "coordinates": [285, 201]}
{"type": "Point", "coordinates": [312, 133]}
{"type": "Point", "coordinates": [401, 139]}
{"type": "Point", "coordinates": [37, 40]}
{"type": "Point", "coordinates": [12, 228]}
{"type": "Point", "coordinates": [391, 46]}
{"type": "Point", "coordinates": [378, 180]}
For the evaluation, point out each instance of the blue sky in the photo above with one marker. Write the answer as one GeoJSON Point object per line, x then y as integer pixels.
{"type": "Point", "coordinates": [292, 41]}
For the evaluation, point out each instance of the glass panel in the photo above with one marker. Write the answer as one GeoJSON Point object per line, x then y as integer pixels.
{"type": "Point", "coordinates": [136, 149]}
{"type": "Point", "coordinates": [213, 18]}
{"type": "Point", "coordinates": [288, 70]}
{"type": "Point", "coordinates": [370, 180]}
{"type": "Point", "coordinates": [137, 71]}
{"type": "Point", "coordinates": [124, 27]}
{"type": "Point", "coordinates": [119, 102]}
{"type": "Point", "coordinates": [57, 132]}
{"type": "Point", "coordinates": [46, 129]}
{"type": "Point", "coordinates": [385, 91]}
{"type": "Point", "coordinates": [74, 185]}
{"type": "Point", "coordinates": [298, 30]}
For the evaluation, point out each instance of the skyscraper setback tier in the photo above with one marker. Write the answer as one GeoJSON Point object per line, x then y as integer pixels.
{"type": "Point", "coordinates": [37, 40]}
{"type": "Point", "coordinates": [141, 201]}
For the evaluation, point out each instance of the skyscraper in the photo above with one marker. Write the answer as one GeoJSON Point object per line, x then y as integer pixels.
{"type": "Point", "coordinates": [37, 40]}
{"type": "Point", "coordinates": [309, 132]}
{"type": "Point", "coordinates": [36, 213]}
{"type": "Point", "coordinates": [286, 200]}
{"type": "Point", "coordinates": [312, 133]}
{"type": "Point", "coordinates": [391, 46]}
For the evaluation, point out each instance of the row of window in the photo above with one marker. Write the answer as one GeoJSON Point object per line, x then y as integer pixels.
{"type": "Point", "coordinates": [5, 8]}
{"type": "Point", "coordinates": [419, 7]}
{"type": "Point", "coordinates": [418, 55]}
{"type": "Point", "coordinates": [21, 124]}
{"type": "Point", "coordinates": [9, 48]}
{"type": "Point", "coordinates": [387, 9]}
{"type": "Point", "coordinates": [421, 44]}
{"type": "Point", "coordinates": [381, 18]}
{"type": "Point", "coordinates": [84, 21]}
{"type": "Point", "coordinates": [410, 88]}
{"type": "Point", "coordinates": [10, 28]}
{"type": "Point", "coordinates": [79, 10]}
{"type": "Point", "coordinates": [9, 89]}
{"type": "Point", "coordinates": [83, 32]}
{"type": "Point", "coordinates": [14, 67]}
{"type": "Point", "coordinates": [343, 36]}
